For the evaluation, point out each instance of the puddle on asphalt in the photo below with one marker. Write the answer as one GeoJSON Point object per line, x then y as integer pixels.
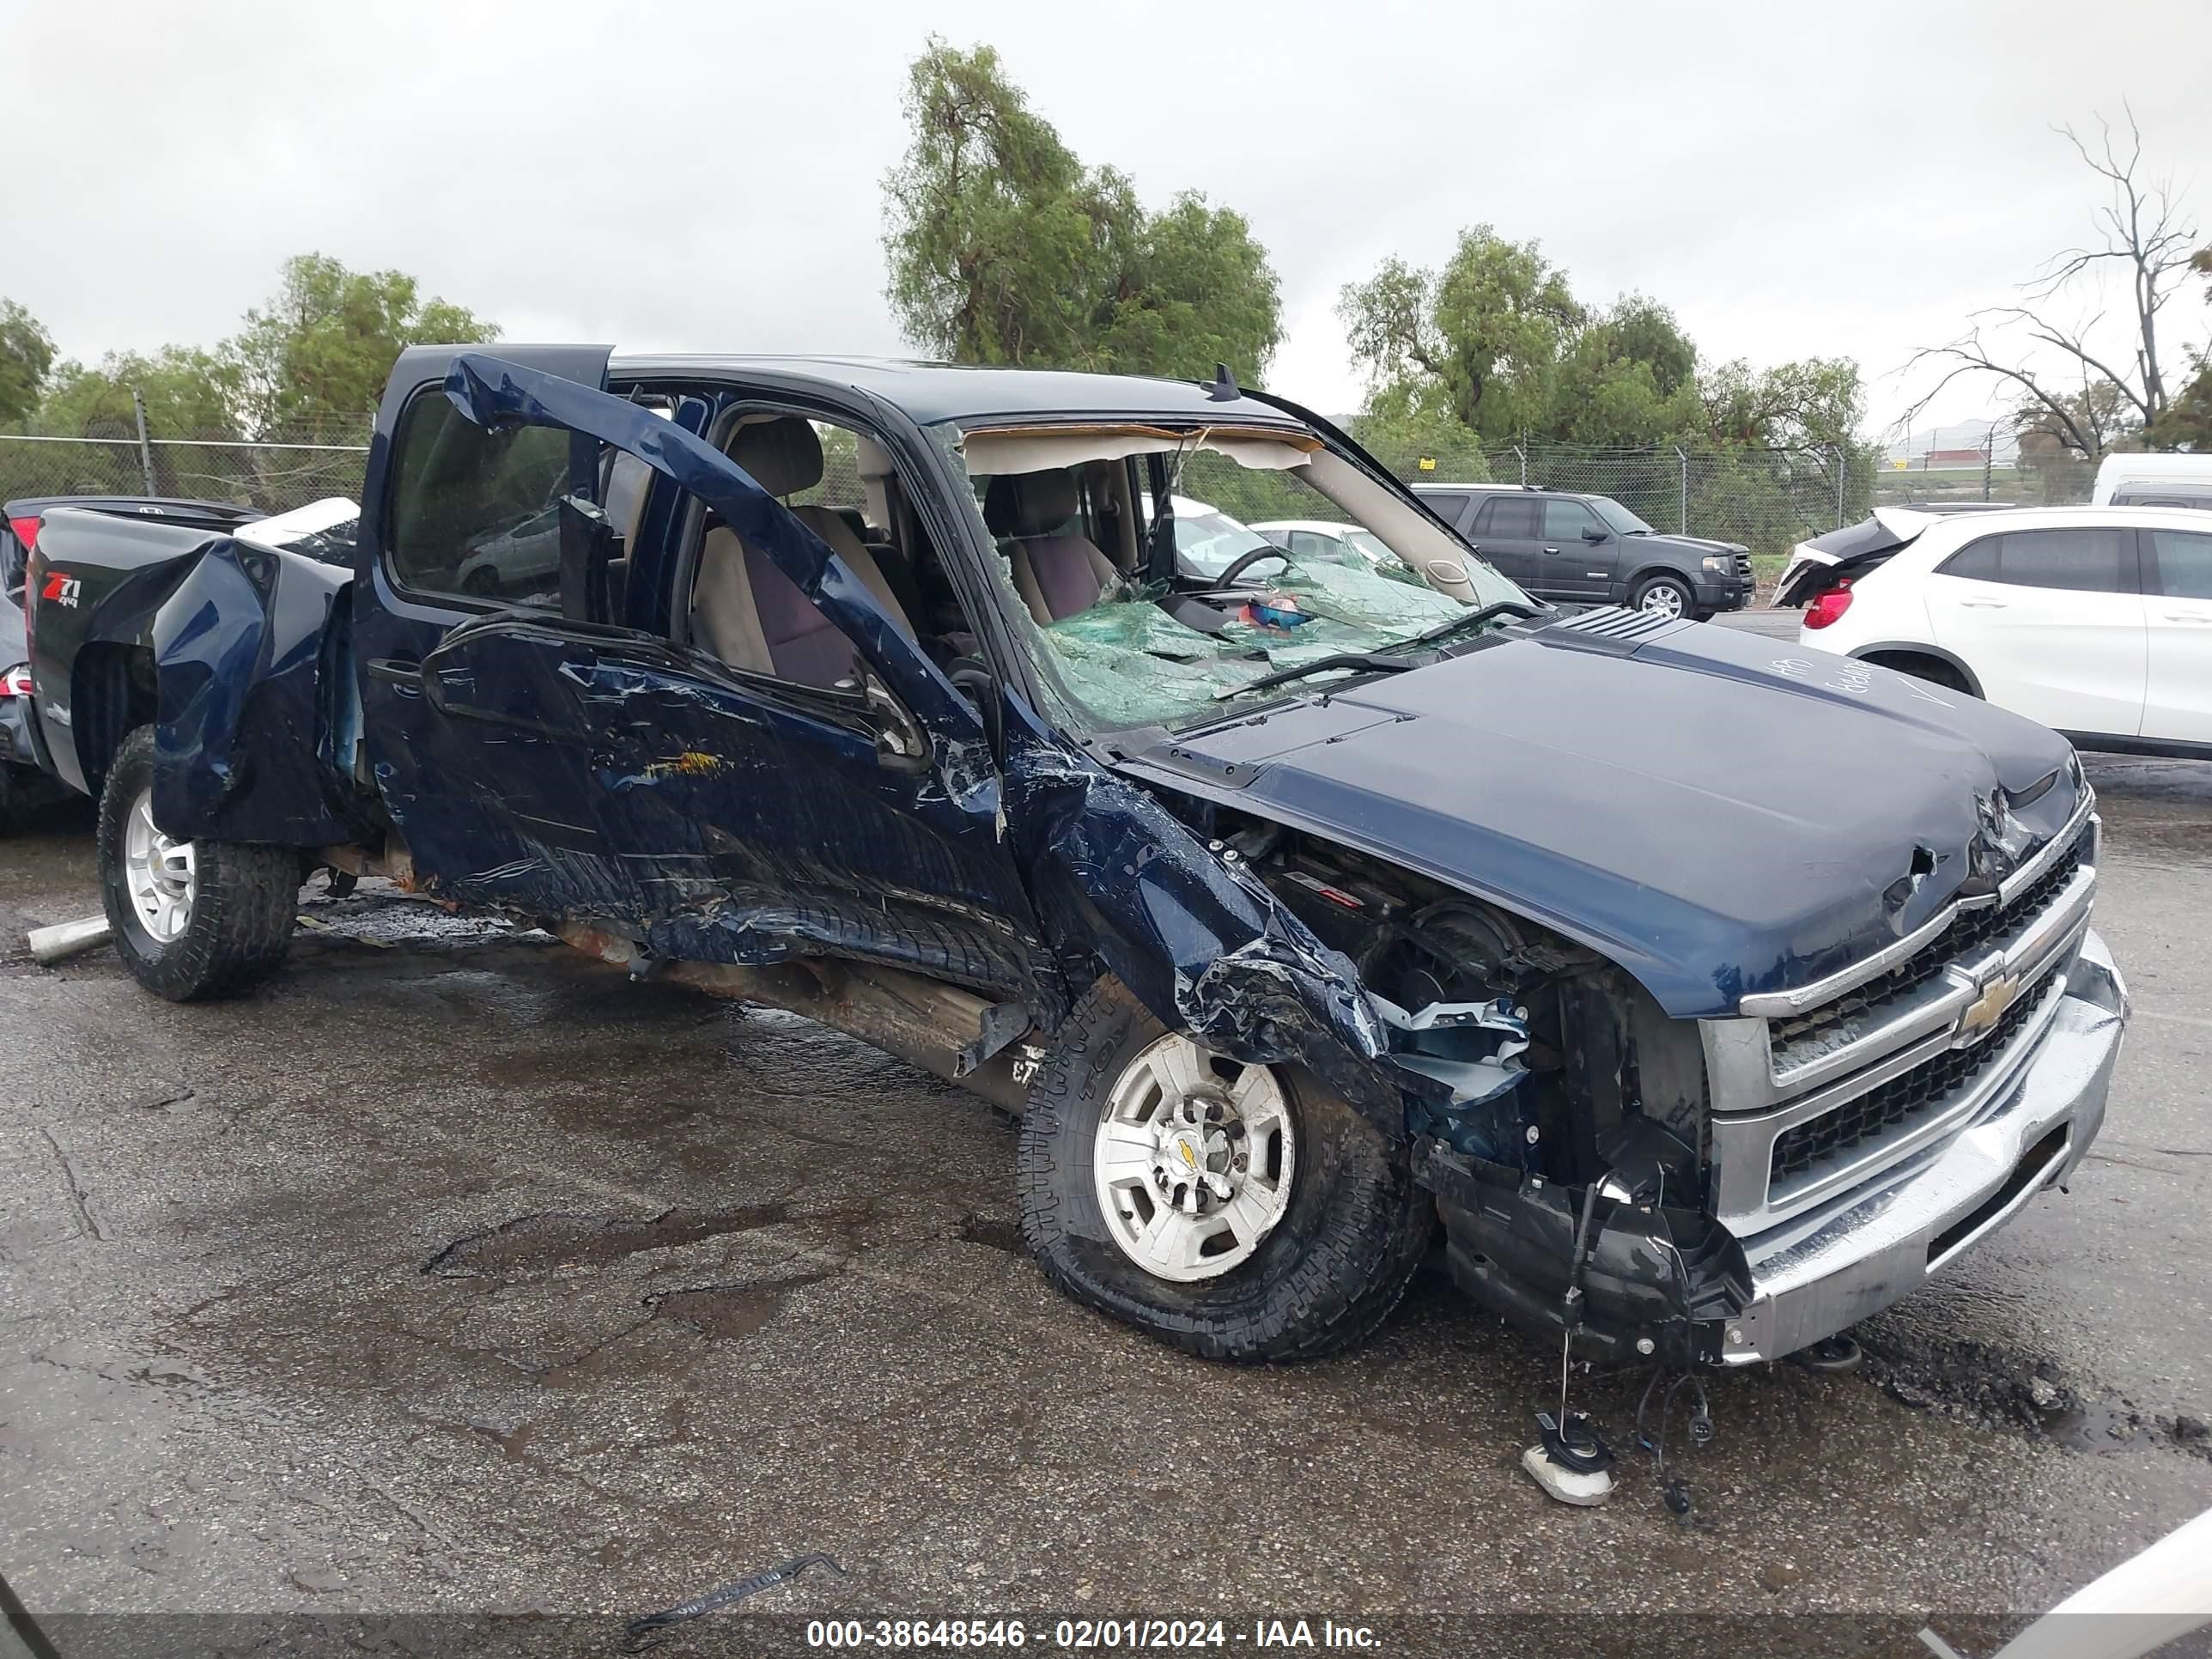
{"type": "Point", "coordinates": [1999, 1391]}
{"type": "Point", "coordinates": [556, 1241]}
{"type": "Point", "coordinates": [725, 1313]}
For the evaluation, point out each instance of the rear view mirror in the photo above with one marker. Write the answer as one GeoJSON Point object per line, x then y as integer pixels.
{"type": "Point", "coordinates": [1593, 534]}
{"type": "Point", "coordinates": [588, 546]}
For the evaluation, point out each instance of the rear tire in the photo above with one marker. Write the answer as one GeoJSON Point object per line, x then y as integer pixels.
{"type": "Point", "coordinates": [192, 920]}
{"type": "Point", "coordinates": [11, 808]}
{"type": "Point", "coordinates": [1340, 1242]}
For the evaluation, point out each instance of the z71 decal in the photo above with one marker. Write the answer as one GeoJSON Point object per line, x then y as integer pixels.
{"type": "Point", "coordinates": [60, 590]}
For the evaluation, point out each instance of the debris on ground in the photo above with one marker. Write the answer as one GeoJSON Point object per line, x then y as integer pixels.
{"type": "Point", "coordinates": [642, 1633]}
{"type": "Point", "coordinates": [65, 939]}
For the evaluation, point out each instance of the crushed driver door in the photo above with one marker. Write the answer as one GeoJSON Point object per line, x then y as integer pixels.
{"type": "Point", "coordinates": [581, 768]}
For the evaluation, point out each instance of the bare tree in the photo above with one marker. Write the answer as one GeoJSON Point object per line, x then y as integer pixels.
{"type": "Point", "coordinates": [2085, 402]}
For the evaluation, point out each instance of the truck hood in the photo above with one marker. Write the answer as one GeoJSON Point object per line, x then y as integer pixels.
{"type": "Point", "coordinates": [1722, 815]}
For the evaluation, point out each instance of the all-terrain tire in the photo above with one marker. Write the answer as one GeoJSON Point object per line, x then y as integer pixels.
{"type": "Point", "coordinates": [1324, 1278]}
{"type": "Point", "coordinates": [245, 896]}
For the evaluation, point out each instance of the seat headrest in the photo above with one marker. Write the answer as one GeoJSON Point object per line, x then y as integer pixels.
{"type": "Point", "coordinates": [1030, 503]}
{"type": "Point", "coordinates": [783, 454]}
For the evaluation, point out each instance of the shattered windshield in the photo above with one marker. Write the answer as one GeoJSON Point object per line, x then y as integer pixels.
{"type": "Point", "coordinates": [1207, 543]}
{"type": "Point", "coordinates": [1131, 662]}
{"type": "Point", "coordinates": [1133, 620]}
{"type": "Point", "coordinates": [1366, 542]}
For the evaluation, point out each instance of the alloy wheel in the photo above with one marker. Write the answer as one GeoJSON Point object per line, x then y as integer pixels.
{"type": "Point", "coordinates": [160, 873]}
{"type": "Point", "coordinates": [1194, 1160]}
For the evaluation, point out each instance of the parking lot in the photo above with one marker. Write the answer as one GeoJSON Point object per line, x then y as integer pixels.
{"type": "Point", "coordinates": [451, 1272]}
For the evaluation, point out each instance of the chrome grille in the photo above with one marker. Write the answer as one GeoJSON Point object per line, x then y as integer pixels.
{"type": "Point", "coordinates": [1818, 1090]}
{"type": "Point", "coordinates": [1898, 1101]}
{"type": "Point", "coordinates": [1971, 931]}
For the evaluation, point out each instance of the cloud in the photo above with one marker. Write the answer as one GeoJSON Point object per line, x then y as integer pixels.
{"type": "Point", "coordinates": [1792, 182]}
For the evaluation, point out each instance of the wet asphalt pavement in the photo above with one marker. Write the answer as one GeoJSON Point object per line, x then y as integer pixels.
{"type": "Point", "coordinates": [453, 1272]}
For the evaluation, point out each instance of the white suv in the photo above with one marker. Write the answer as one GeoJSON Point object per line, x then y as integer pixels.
{"type": "Point", "coordinates": [2094, 620]}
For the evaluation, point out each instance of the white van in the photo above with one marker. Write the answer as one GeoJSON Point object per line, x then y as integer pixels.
{"type": "Point", "coordinates": [2153, 480]}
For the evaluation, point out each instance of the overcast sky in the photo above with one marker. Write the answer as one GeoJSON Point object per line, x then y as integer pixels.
{"type": "Point", "coordinates": [1793, 180]}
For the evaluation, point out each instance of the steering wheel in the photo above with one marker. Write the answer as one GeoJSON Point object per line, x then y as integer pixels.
{"type": "Point", "coordinates": [1245, 561]}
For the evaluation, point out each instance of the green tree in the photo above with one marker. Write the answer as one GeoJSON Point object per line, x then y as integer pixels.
{"type": "Point", "coordinates": [1004, 248]}
{"type": "Point", "coordinates": [315, 358]}
{"type": "Point", "coordinates": [1496, 341]}
{"type": "Point", "coordinates": [26, 352]}
{"type": "Point", "coordinates": [1627, 378]}
{"type": "Point", "coordinates": [1194, 290]}
{"type": "Point", "coordinates": [1402, 432]}
{"type": "Point", "coordinates": [1481, 337]}
{"type": "Point", "coordinates": [2186, 422]}
{"type": "Point", "coordinates": [1816, 403]}
{"type": "Point", "coordinates": [189, 394]}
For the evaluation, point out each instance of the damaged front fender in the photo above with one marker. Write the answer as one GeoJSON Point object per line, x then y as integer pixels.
{"type": "Point", "coordinates": [1200, 940]}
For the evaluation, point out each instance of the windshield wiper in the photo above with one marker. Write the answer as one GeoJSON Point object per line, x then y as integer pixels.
{"type": "Point", "coordinates": [1476, 618]}
{"type": "Point", "coordinates": [1365, 660]}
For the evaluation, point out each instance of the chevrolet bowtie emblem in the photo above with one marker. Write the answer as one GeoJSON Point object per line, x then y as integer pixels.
{"type": "Point", "coordinates": [1185, 1149]}
{"type": "Point", "coordinates": [1985, 1011]}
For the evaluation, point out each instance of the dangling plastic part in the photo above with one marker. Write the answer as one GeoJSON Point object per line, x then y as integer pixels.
{"type": "Point", "coordinates": [1569, 1463]}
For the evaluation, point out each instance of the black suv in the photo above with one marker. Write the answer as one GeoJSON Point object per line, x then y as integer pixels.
{"type": "Point", "coordinates": [1590, 550]}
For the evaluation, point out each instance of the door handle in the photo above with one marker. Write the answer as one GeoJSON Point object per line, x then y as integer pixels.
{"type": "Point", "coordinates": [1551, 550]}
{"type": "Point", "coordinates": [408, 676]}
{"type": "Point", "coordinates": [2188, 616]}
{"type": "Point", "coordinates": [1981, 604]}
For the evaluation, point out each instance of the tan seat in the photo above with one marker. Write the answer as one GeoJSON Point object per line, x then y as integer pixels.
{"type": "Point", "coordinates": [744, 608]}
{"type": "Point", "coordinates": [1056, 574]}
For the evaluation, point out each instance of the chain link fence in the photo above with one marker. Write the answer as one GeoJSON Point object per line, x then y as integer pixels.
{"type": "Point", "coordinates": [2064, 480]}
{"type": "Point", "coordinates": [277, 471]}
{"type": "Point", "coordinates": [1768, 500]}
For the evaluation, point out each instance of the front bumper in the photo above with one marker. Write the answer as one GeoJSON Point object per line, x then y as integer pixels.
{"type": "Point", "coordinates": [1824, 1270]}
{"type": "Point", "coordinates": [1726, 593]}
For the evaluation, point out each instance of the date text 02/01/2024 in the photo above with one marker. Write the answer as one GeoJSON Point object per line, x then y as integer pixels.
{"type": "Point", "coordinates": [1086, 1634]}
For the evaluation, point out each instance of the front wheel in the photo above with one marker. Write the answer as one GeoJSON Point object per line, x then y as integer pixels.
{"type": "Point", "coordinates": [1662, 596]}
{"type": "Point", "coordinates": [190, 919]}
{"type": "Point", "coordinates": [1244, 1212]}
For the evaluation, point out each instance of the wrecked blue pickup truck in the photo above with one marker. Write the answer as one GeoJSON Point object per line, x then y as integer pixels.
{"type": "Point", "coordinates": [1712, 996]}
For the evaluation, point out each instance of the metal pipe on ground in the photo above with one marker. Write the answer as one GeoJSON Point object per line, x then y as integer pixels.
{"type": "Point", "coordinates": [67, 939]}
